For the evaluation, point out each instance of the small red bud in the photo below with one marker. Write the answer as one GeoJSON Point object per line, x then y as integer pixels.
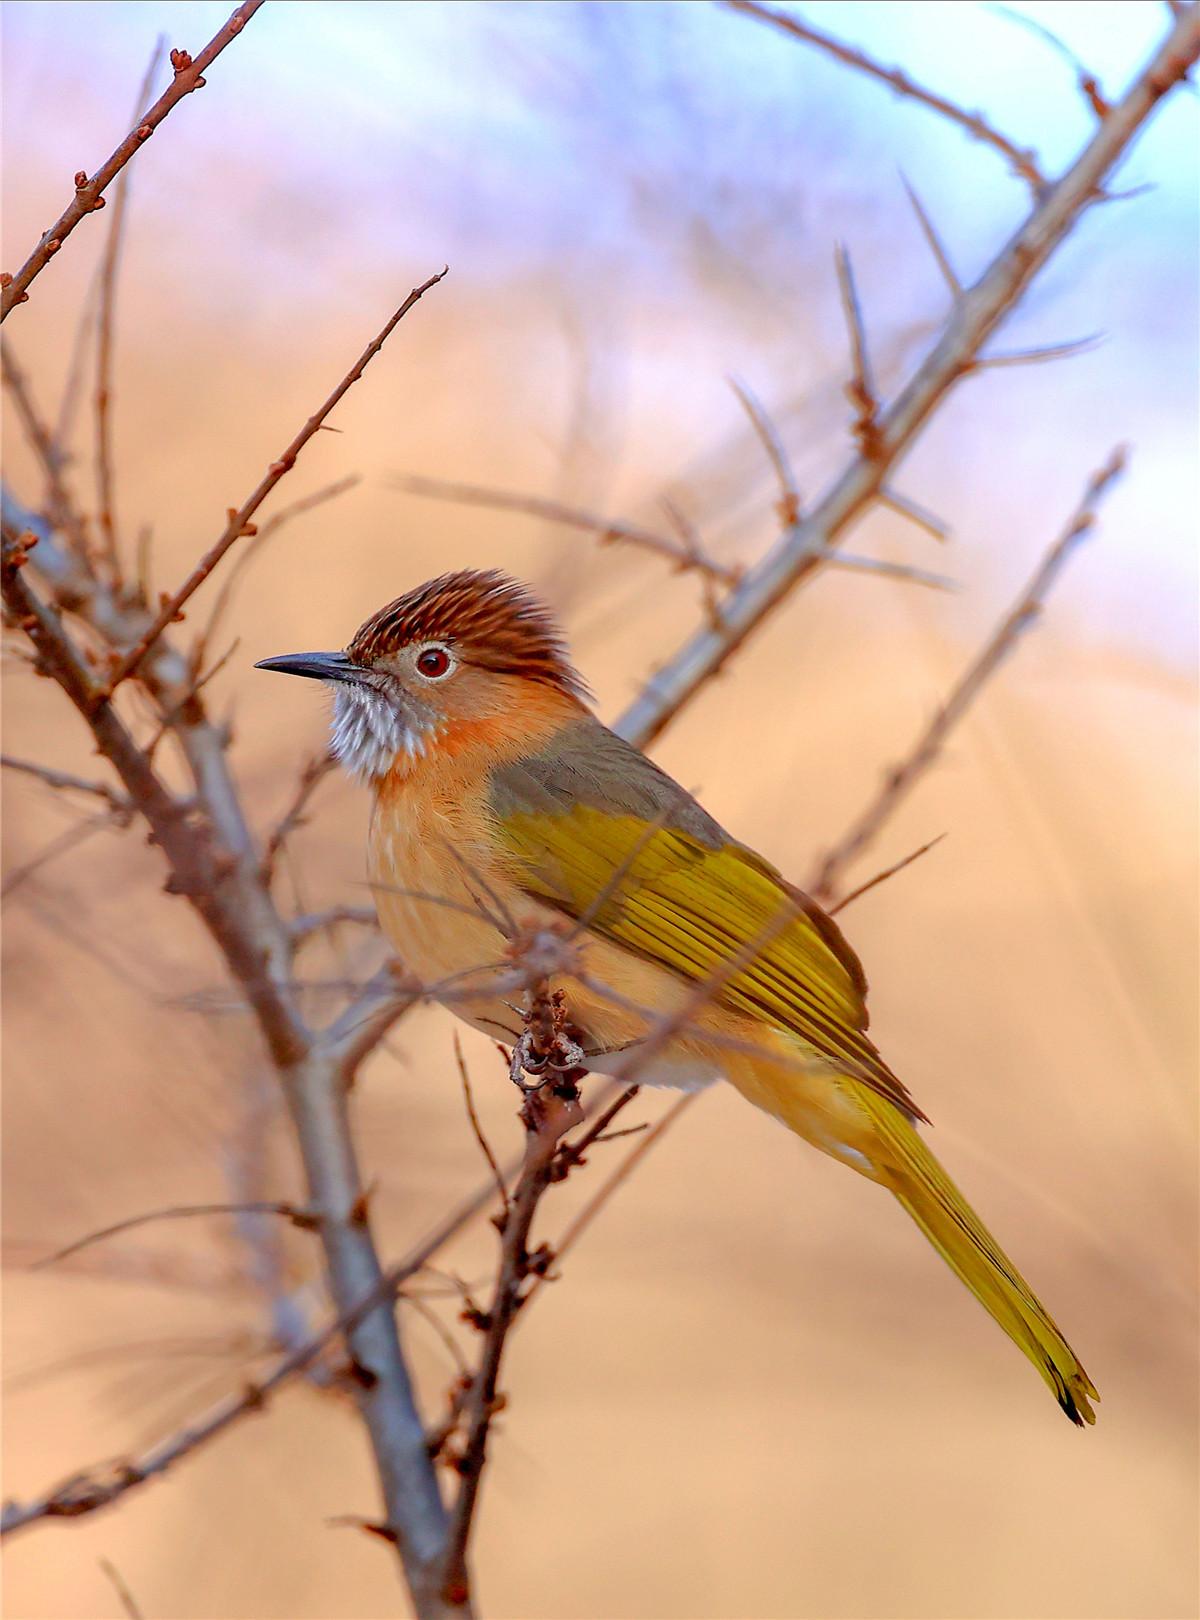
{"type": "Point", "coordinates": [100, 202]}
{"type": "Point", "coordinates": [53, 245]}
{"type": "Point", "coordinates": [81, 180]}
{"type": "Point", "coordinates": [144, 132]}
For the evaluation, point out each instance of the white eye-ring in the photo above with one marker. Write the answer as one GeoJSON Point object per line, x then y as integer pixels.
{"type": "Point", "coordinates": [434, 662]}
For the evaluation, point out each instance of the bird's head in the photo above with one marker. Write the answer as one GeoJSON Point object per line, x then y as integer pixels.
{"type": "Point", "coordinates": [458, 653]}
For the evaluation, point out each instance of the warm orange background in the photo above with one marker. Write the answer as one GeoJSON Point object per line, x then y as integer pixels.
{"type": "Point", "coordinates": [756, 1392]}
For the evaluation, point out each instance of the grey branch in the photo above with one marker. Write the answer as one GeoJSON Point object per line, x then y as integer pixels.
{"type": "Point", "coordinates": [802, 549]}
{"type": "Point", "coordinates": [89, 194]}
{"type": "Point", "coordinates": [900, 779]}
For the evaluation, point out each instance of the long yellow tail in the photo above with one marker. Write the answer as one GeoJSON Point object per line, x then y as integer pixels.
{"type": "Point", "coordinates": [910, 1170]}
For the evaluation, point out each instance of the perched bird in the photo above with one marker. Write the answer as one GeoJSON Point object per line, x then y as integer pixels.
{"type": "Point", "coordinates": [499, 797]}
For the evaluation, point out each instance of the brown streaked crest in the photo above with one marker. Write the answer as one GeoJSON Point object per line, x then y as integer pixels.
{"type": "Point", "coordinates": [489, 620]}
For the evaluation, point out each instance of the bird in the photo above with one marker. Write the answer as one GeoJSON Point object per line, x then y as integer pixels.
{"type": "Point", "coordinates": [500, 801]}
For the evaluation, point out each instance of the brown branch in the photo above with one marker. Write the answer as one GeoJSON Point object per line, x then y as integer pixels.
{"type": "Point", "coordinates": [1022, 161]}
{"type": "Point", "coordinates": [311, 776]}
{"type": "Point", "coordinates": [234, 574]}
{"type": "Point", "coordinates": [105, 495]}
{"type": "Point", "coordinates": [1023, 614]}
{"type": "Point", "coordinates": [882, 877]}
{"type": "Point", "coordinates": [89, 194]}
{"type": "Point", "coordinates": [302, 1218]}
{"type": "Point", "coordinates": [125, 1597]}
{"type": "Point", "coordinates": [800, 552]}
{"type": "Point", "coordinates": [239, 523]}
{"type": "Point", "coordinates": [476, 1127]}
{"type": "Point", "coordinates": [62, 845]}
{"type": "Point", "coordinates": [573, 517]}
{"type": "Point", "coordinates": [64, 781]}
{"type": "Point", "coordinates": [61, 511]}
{"type": "Point", "coordinates": [1089, 87]}
{"type": "Point", "coordinates": [548, 1116]}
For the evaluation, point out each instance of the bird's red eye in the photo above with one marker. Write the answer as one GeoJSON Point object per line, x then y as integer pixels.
{"type": "Point", "coordinates": [434, 661]}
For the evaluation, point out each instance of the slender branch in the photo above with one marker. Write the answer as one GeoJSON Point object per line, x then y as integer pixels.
{"type": "Point", "coordinates": [1023, 614]}
{"type": "Point", "coordinates": [789, 493]}
{"type": "Point", "coordinates": [1036, 357]}
{"type": "Point", "coordinates": [62, 845]}
{"type": "Point", "coordinates": [801, 550]}
{"type": "Point", "coordinates": [915, 514]}
{"type": "Point", "coordinates": [89, 194]}
{"type": "Point", "coordinates": [311, 776]}
{"type": "Point", "coordinates": [1089, 87]}
{"type": "Point", "coordinates": [235, 574]}
{"type": "Point", "coordinates": [63, 780]}
{"type": "Point", "coordinates": [616, 1179]}
{"type": "Point", "coordinates": [302, 929]}
{"type": "Point", "coordinates": [125, 1597]}
{"type": "Point", "coordinates": [936, 246]}
{"type": "Point", "coordinates": [302, 1218]}
{"type": "Point", "coordinates": [1022, 161]}
{"type": "Point", "coordinates": [61, 510]}
{"type": "Point", "coordinates": [860, 390]}
{"type": "Point", "coordinates": [105, 495]}
{"type": "Point", "coordinates": [476, 1127]}
{"type": "Point", "coordinates": [239, 523]}
{"type": "Point", "coordinates": [574, 517]}
{"type": "Point", "coordinates": [882, 877]}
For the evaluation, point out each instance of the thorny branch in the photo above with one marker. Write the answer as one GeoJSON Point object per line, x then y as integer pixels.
{"type": "Point", "coordinates": [239, 523]}
{"type": "Point", "coordinates": [1023, 614]}
{"type": "Point", "coordinates": [1022, 161]}
{"type": "Point", "coordinates": [89, 194]}
{"type": "Point", "coordinates": [684, 557]}
{"type": "Point", "coordinates": [802, 549]}
{"type": "Point", "coordinates": [215, 864]}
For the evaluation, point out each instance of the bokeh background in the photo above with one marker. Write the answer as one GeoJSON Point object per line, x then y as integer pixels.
{"type": "Point", "coordinates": [756, 1392]}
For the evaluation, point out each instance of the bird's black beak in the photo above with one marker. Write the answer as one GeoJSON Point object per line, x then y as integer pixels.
{"type": "Point", "coordinates": [318, 666]}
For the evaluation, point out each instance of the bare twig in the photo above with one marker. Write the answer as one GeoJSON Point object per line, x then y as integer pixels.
{"type": "Point", "coordinates": [800, 551]}
{"type": "Point", "coordinates": [235, 573]}
{"type": "Point", "coordinates": [239, 523]}
{"type": "Point", "coordinates": [125, 1596]}
{"type": "Point", "coordinates": [312, 775]}
{"type": "Point", "coordinates": [1089, 88]}
{"type": "Point", "coordinates": [915, 514]}
{"type": "Point", "coordinates": [476, 1128]}
{"type": "Point", "coordinates": [788, 508]}
{"type": "Point", "coordinates": [860, 390]}
{"type": "Point", "coordinates": [105, 496]}
{"type": "Point", "coordinates": [900, 779]}
{"type": "Point", "coordinates": [62, 845]}
{"type": "Point", "coordinates": [1022, 161]}
{"type": "Point", "coordinates": [1035, 357]}
{"type": "Point", "coordinates": [548, 1117]}
{"type": "Point", "coordinates": [936, 246]}
{"type": "Point", "coordinates": [63, 780]}
{"type": "Point", "coordinates": [61, 511]}
{"type": "Point", "coordinates": [574, 517]}
{"type": "Point", "coordinates": [89, 194]}
{"type": "Point", "coordinates": [882, 877]}
{"type": "Point", "coordinates": [302, 929]}
{"type": "Point", "coordinates": [302, 1218]}
{"type": "Point", "coordinates": [615, 1180]}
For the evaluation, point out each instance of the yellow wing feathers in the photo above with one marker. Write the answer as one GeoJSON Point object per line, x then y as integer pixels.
{"type": "Point", "coordinates": [597, 831]}
{"type": "Point", "coordinates": [661, 894]}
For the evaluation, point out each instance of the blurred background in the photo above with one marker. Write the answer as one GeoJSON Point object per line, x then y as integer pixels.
{"type": "Point", "coordinates": [756, 1392]}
